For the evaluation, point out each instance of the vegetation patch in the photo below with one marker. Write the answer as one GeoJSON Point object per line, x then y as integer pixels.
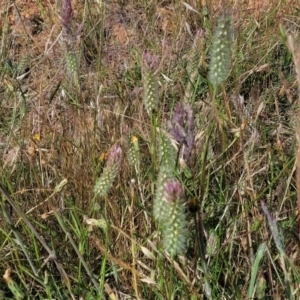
{"type": "Point", "coordinates": [149, 150]}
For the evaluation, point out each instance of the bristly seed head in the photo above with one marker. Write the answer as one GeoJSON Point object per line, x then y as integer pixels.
{"type": "Point", "coordinates": [105, 181]}
{"type": "Point", "coordinates": [150, 82]}
{"type": "Point", "coordinates": [175, 224]}
{"type": "Point", "coordinates": [221, 51]}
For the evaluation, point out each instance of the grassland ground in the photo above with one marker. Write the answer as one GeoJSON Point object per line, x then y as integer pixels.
{"type": "Point", "coordinates": [88, 100]}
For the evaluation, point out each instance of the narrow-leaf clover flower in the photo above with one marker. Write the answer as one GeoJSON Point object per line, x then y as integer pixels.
{"type": "Point", "coordinates": [182, 129]}
{"type": "Point", "coordinates": [175, 224]}
{"type": "Point", "coordinates": [114, 156]}
{"type": "Point", "coordinates": [159, 204]}
{"type": "Point", "coordinates": [172, 190]}
{"type": "Point", "coordinates": [106, 180]}
{"type": "Point", "coordinates": [150, 82]}
{"type": "Point", "coordinates": [221, 51]}
{"type": "Point", "coordinates": [66, 15]}
{"type": "Point", "coordinates": [134, 152]}
{"type": "Point", "coordinates": [70, 36]}
{"type": "Point", "coordinates": [167, 153]}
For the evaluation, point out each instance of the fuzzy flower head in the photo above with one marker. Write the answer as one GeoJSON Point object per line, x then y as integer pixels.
{"type": "Point", "coordinates": [134, 151]}
{"type": "Point", "coordinates": [182, 129]}
{"type": "Point", "coordinates": [66, 15]}
{"type": "Point", "coordinates": [150, 61]}
{"type": "Point", "coordinates": [221, 51]}
{"type": "Point", "coordinates": [150, 82]}
{"type": "Point", "coordinates": [70, 36]}
{"type": "Point", "coordinates": [105, 182]}
{"type": "Point", "coordinates": [174, 221]}
{"type": "Point", "coordinates": [172, 190]}
{"type": "Point", "coordinates": [114, 156]}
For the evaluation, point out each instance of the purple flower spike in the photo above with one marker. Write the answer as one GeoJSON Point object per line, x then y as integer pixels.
{"type": "Point", "coordinates": [182, 129]}
{"type": "Point", "coordinates": [150, 61]}
{"type": "Point", "coordinates": [66, 15]}
{"type": "Point", "coordinates": [114, 156]}
{"type": "Point", "coordinates": [172, 190]}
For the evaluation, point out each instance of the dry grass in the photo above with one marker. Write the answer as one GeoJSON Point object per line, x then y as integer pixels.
{"type": "Point", "coordinates": [54, 128]}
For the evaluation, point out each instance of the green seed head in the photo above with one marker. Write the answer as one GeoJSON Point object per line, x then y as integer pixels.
{"type": "Point", "coordinates": [221, 51]}
{"type": "Point", "coordinates": [134, 152]}
{"type": "Point", "coordinates": [150, 82]}
{"type": "Point", "coordinates": [106, 180]}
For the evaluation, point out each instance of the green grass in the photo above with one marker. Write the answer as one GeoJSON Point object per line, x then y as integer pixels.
{"type": "Point", "coordinates": [110, 190]}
